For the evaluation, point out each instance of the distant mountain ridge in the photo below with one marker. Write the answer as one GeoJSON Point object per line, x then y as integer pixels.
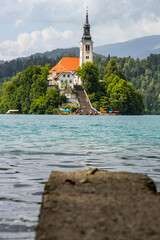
{"type": "Point", "coordinates": [1, 61]}
{"type": "Point", "coordinates": [59, 52]}
{"type": "Point", "coordinates": [136, 48]}
{"type": "Point", "coordinates": [56, 53]}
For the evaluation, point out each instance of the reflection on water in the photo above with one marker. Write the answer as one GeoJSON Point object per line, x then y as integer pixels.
{"type": "Point", "coordinates": [32, 146]}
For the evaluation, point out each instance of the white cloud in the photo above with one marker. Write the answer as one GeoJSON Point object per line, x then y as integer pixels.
{"type": "Point", "coordinates": [38, 41]}
{"type": "Point", "coordinates": [101, 11]}
{"type": "Point", "coordinates": [106, 34]}
{"type": "Point", "coordinates": [18, 23]}
{"type": "Point", "coordinates": [111, 21]}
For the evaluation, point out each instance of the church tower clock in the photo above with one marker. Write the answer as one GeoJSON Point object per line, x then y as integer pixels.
{"type": "Point", "coordinates": [86, 45]}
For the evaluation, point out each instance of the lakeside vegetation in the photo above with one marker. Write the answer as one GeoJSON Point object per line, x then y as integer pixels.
{"type": "Point", "coordinates": [11, 68]}
{"type": "Point", "coordinates": [113, 93]}
{"type": "Point", "coordinates": [27, 92]}
{"type": "Point", "coordinates": [143, 74]}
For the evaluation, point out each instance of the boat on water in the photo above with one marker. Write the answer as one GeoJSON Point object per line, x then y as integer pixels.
{"type": "Point", "coordinates": [13, 111]}
{"type": "Point", "coordinates": [109, 113]}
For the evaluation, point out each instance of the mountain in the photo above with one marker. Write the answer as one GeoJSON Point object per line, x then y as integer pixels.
{"type": "Point", "coordinates": [136, 48]}
{"type": "Point", "coordinates": [59, 52]}
{"type": "Point", "coordinates": [1, 62]}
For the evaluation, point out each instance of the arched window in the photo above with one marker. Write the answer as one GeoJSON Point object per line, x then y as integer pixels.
{"type": "Point", "coordinates": [87, 47]}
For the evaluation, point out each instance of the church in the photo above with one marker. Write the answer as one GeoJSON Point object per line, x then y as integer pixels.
{"type": "Point", "coordinates": [64, 73]}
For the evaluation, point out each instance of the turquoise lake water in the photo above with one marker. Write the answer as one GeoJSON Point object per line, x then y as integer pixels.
{"type": "Point", "coordinates": [32, 146]}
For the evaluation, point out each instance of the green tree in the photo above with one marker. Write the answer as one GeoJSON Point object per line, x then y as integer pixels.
{"type": "Point", "coordinates": [112, 68]}
{"type": "Point", "coordinates": [38, 106]}
{"type": "Point", "coordinates": [120, 95]}
{"type": "Point", "coordinates": [27, 92]}
{"type": "Point", "coordinates": [89, 77]}
{"type": "Point", "coordinates": [123, 97]}
{"type": "Point", "coordinates": [53, 99]}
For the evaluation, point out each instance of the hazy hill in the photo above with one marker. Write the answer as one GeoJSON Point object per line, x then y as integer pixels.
{"type": "Point", "coordinates": [1, 61]}
{"type": "Point", "coordinates": [136, 48]}
{"type": "Point", "coordinates": [59, 52]}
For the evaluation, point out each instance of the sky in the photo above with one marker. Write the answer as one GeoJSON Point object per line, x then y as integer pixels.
{"type": "Point", "coordinates": [31, 26]}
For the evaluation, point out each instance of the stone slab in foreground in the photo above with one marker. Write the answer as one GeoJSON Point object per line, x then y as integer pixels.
{"type": "Point", "coordinates": [102, 206]}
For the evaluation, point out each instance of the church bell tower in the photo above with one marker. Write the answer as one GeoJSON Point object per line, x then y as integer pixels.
{"type": "Point", "coordinates": [86, 45]}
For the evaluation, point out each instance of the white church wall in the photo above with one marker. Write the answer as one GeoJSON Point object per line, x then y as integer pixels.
{"type": "Point", "coordinates": [65, 79]}
{"type": "Point", "coordinates": [86, 51]}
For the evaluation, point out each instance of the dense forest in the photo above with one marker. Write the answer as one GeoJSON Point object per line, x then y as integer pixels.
{"type": "Point", "coordinates": [113, 93]}
{"type": "Point", "coordinates": [143, 74]}
{"type": "Point", "coordinates": [27, 92]}
{"type": "Point", "coordinates": [11, 68]}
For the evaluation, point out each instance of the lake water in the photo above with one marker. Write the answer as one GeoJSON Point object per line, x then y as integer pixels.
{"type": "Point", "coordinates": [32, 146]}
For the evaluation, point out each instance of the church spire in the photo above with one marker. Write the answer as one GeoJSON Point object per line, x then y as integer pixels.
{"type": "Point", "coordinates": [86, 28]}
{"type": "Point", "coordinates": [87, 22]}
{"type": "Point", "coordinates": [86, 44]}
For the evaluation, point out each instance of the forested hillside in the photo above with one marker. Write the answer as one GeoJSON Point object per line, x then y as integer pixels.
{"type": "Point", "coordinates": [1, 61]}
{"type": "Point", "coordinates": [11, 68]}
{"type": "Point", "coordinates": [59, 52]}
{"type": "Point", "coordinates": [145, 76]}
{"type": "Point", "coordinates": [136, 48]}
{"type": "Point", "coordinates": [113, 93]}
{"type": "Point", "coordinates": [8, 69]}
{"type": "Point", "coordinates": [28, 93]}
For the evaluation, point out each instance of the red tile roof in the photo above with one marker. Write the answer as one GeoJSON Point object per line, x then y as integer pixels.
{"type": "Point", "coordinates": [70, 63]}
{"type": "Point", "coordinates": [66, 64]}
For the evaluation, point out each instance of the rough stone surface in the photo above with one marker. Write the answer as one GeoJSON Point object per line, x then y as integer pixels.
{"type": "Point", "coordinates": [102, 206]}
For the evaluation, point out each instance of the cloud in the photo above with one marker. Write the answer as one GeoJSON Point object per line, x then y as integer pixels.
{"type": "Point", "coordinates": [18, 23]}
{"type": "Point", "coordinates": [59, 23]}
{"type": "Point", "coordinates": [101, 11]}
{"type": "Point", "coordinates": [38, 41]}
{"type": "Point", "coordinates": [106, 34]}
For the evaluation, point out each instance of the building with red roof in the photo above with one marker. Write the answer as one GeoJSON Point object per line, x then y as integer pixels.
{"type": "Point", "coordinates": [63, 74]}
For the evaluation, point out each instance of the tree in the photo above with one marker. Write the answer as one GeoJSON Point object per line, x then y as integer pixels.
{"type": "Point", "coordinates": [27, 92]}
{"type": "Point", "coordinates": [53, 98]}
{"type": "Point", "coordinates": [122, 97]}
{"type": "Point", "coordinates": [112, 68]}
{"type": "Point", "coordinates": [89, 77]}
{"type": "Point", "coordinates": [38, 105]}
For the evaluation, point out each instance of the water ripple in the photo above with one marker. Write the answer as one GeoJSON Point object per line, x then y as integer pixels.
{"type": "Point", "coordinates": [32, 146]}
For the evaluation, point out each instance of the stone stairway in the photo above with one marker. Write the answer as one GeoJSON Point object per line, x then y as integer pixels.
{"type": "Point", "coordinates": [85, 106]}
